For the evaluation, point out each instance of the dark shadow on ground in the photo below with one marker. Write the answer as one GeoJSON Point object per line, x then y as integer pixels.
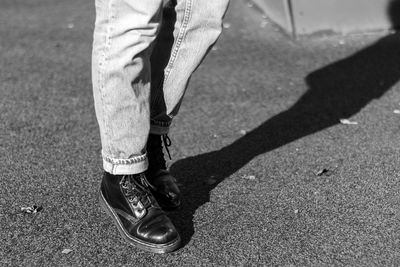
{"type": "Point", "coordinates": [336, 91]}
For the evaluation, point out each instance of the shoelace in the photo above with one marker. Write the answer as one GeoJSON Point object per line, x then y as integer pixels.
{"type": "Point", "coordinates": [156, 153]}
{"type": "Point", "coordinates": [137, 191]}
{"type": "Point", "coordinates": [167, 143]}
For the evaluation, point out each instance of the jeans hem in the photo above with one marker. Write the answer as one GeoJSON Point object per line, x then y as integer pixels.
{"type": "Point", "coordinates": [159, 130]}
{"type": "Point", "coordinates": [159, 127]}
{"type": "Point", "coordinates": [135, 165]}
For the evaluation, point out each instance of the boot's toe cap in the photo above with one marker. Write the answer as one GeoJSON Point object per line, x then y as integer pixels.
{"type": "Point", "coordinates": [159, 230]}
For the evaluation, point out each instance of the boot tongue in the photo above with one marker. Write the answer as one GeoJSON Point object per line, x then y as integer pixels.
{"type": "Point", "coordinates": [140, 186]}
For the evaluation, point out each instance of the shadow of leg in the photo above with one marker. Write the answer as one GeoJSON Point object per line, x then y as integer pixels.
{"type": "Point", "coordinates": [336, 91]}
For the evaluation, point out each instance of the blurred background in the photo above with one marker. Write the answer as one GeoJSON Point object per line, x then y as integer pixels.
{"type": "Point", "coordinates": [300, 17]}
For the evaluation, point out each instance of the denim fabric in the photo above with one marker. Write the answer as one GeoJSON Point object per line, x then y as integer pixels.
{"type": "Point", "coordinates": [144, 53]}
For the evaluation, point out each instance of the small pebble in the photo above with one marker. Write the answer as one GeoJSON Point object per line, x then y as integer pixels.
{"type": "Point", "coordinates": [211, 181]}
{"type": "Point", "coordinates": [249, 177]}
{"type": "Point", "coordinates": [226, 25]}
{"type": "Point", "coordinates": [346, 121]}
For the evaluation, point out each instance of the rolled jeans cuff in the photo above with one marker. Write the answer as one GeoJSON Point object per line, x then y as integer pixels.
{"type": "Point", "coordinates": [159, 127]}
{"type": "Point", "coordinates": [134, 165]}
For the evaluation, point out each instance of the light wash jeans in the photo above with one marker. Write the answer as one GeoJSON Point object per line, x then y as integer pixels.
{"type": "Point", "coordinates": [144, 53]}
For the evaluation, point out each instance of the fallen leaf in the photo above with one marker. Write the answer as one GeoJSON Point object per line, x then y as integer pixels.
{"type": "Point", "coordinates": [66, 251]}
{"type": "Point", "coordinates": [33, 209]}
{"type": "Point", "coordinates": [37, 209]}
{"type": "Point", "coordinates": [349, 122]}
{"type": "Point", "coordinates": [27, 209]}
{"type": "Point", "coordinates": [322, 172]}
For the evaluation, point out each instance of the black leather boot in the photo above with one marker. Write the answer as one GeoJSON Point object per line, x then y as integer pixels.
{"type": "Point", "coordinates": [139, 218]}
{"type": "Point", "coordinates": [163, 185]}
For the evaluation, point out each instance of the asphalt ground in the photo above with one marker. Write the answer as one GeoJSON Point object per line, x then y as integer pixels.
{"type": "Point", "coordinates": [268, 173]}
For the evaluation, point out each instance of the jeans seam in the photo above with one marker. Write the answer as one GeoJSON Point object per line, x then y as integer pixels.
{"type": "Point", "coordinates": [102, 70]}
{"type": "Point", "coordinates": [181, 35]}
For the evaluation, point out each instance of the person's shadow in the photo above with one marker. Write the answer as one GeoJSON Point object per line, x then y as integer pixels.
{"type": "Point", "coordinates": [336, 91]}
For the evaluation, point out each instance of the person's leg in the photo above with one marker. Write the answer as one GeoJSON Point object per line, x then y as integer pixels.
{"type": "Point", "coordinates": [189, 29]}
{"type": "Point", "coordinates": [164, 187]}
{"type": "Point", "coordinates": [123, 39]}
{"type": "Point", "coordinates": [197, 26]}
{"type": "Point", "coordinates": [123, 36]}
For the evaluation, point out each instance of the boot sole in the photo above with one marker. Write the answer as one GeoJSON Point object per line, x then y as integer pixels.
{"type": "Point", "coordinates": [155, 248]}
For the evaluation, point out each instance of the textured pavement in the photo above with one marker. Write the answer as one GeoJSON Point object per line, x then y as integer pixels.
{"type": "Point", "coordinates": [268, 173]}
